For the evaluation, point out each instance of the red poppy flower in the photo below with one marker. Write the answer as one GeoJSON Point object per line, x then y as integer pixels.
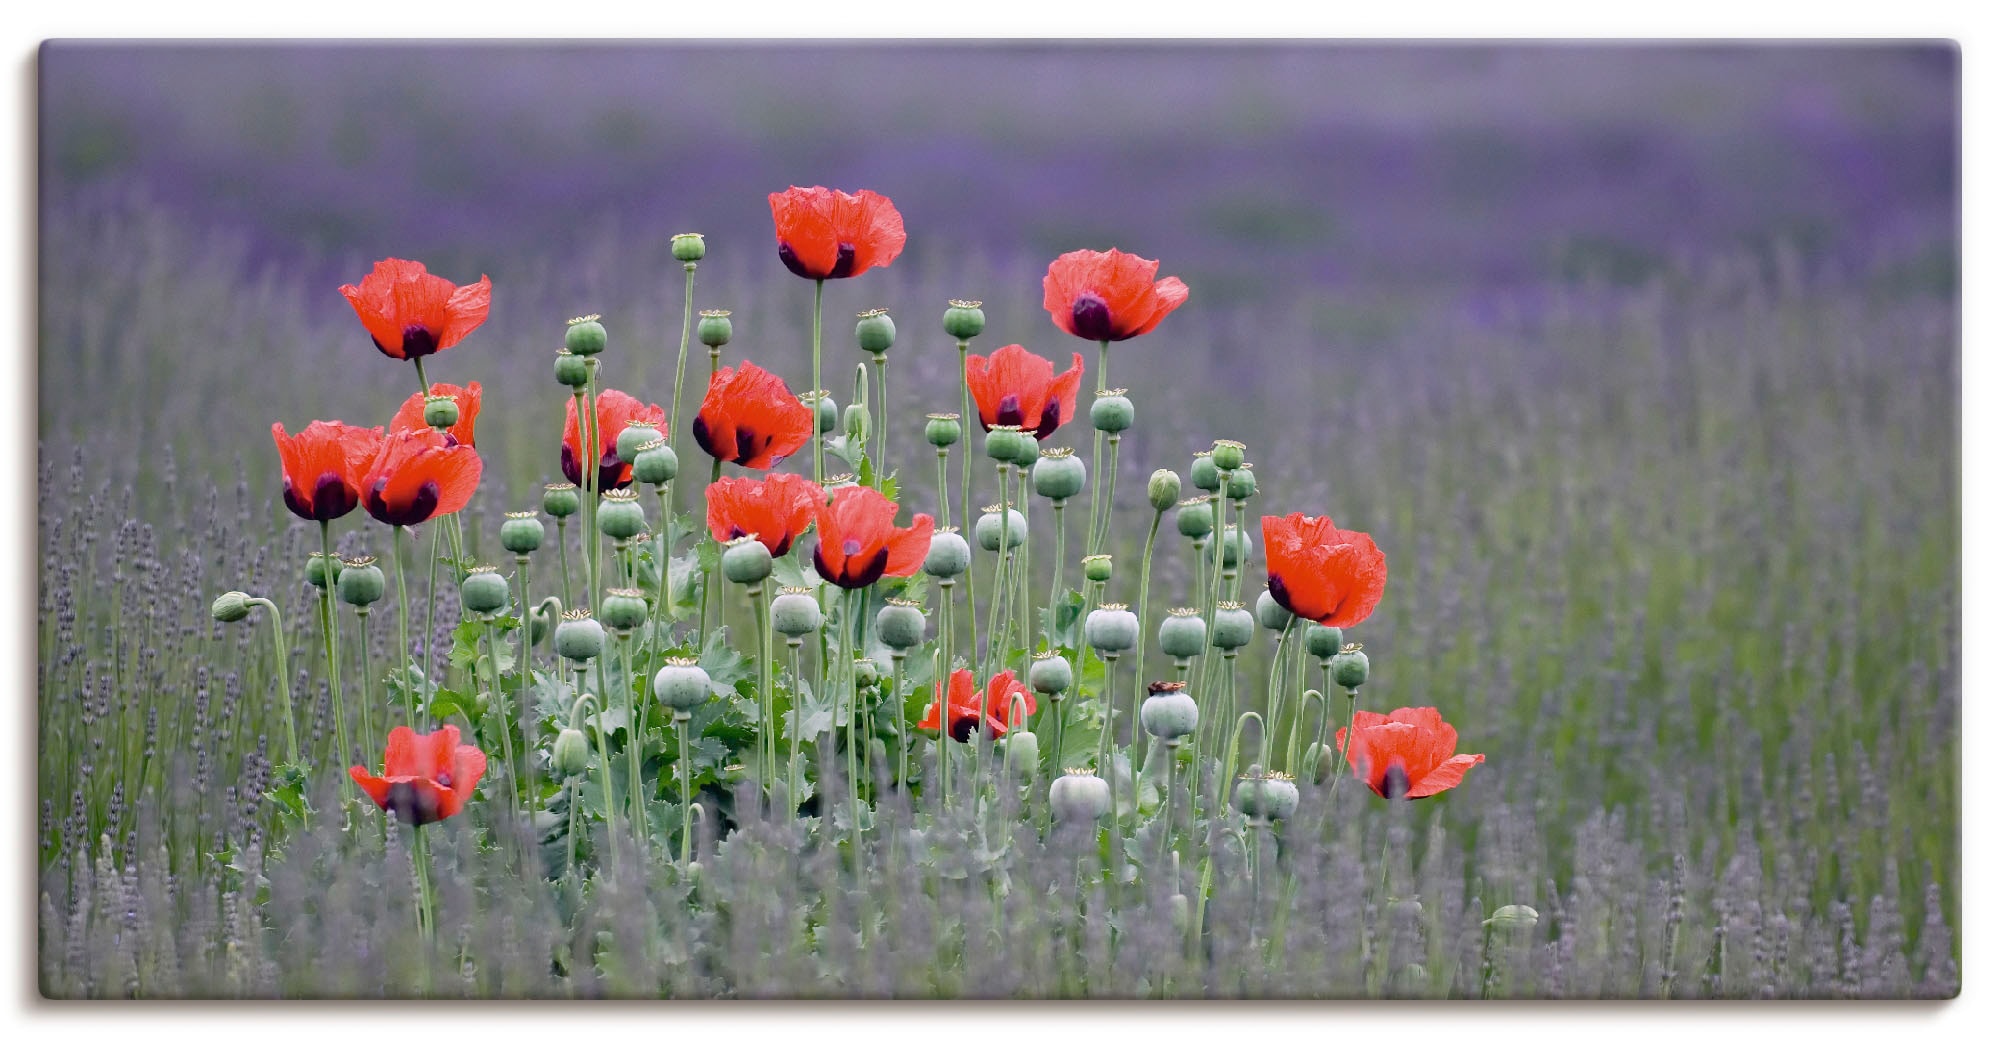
{"type": "Point", "coordinates": [425, 778]}
{"type": "Point", "coordinates": [1108, 296]}
{"type": "Point", "coordinates": [962, 704]}
{"type": "Point", "coordinates": [750, 418]}
{"type": "Point", "coordinates": [859, 542]}
{"type": "Point", "coordinates": [776, 509]}
{"type": "Point", "coordinates": [324, 465]}
{"type": "Point", "coordinates": [823, 233]}
{"type": "Point", "coordinates": [411, 313]}
{"type": "Point", "coordinates": [417, 475]}
{"type": "Point", "coordinates": [1407, 752]}
{"type": "Point", "coordinates": [411, 414]}
{"type": "Point", "coordinates": [1016, 387]}
{"type": "Point", "coordinates": [1322, 572]}
{"type": "Point", "coordinates": [615, 411]}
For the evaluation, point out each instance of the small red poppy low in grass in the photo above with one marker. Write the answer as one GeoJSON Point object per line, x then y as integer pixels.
{"type": "Point", "coordinates": [425, 778]}
{"type": "Point", "coordinates": [775, 509]}
{"type": "Point", "coordinates": [963, 701]}
{"type": "Point", "coordinates": [411, 414]}
{"type": "Point", "coordinates": [823, 233]}
{"type": "Point", "coordinates": [749, 417]}
{"type": "Point", "coordinates": [419, 474]}
{"type": "Point", "coordinates": [1016, 387]}
{"type": "Point", "coordinates": [859, 542]}
{"type": "Point", "coordinates": [1321, 572]}
{"type": "Point", "coordinates": [412, 313]}
{"type": "Point", "coordinates": [1405, 753]}
{"type": "Point", "coordinates": [324, 465]}
{"type": "Point", "coordinates": [1108, 296]}
{"type": "Point", "coordinates": [615, 411]}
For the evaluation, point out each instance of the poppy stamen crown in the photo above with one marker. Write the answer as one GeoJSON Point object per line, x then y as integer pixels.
{"type": "Point", "coordinates": [906, 602]}
{"type": "Point", "coordinates": [522, 515]}
{"type": "Point", "coordinates": [1204, 454]}
{"type": "Point", "coordinates": [576, 614]}
{"type": "Point", "coordinates": [1048, 654]}
{"type": "Point", "coordinates": [946, 529]}
{"type": "Point", "coordinates": [1005, 428]}
{"type": "Point", "coordinates": [814, 396]}
{"type": "Point", "coordinates": [621, 494]}
{"type": "Point", "coordinates": [638, 423]}
{"type": "Point", "coordinates": [623, 592]}
{"type": "Point", "coordinates": [651, 445]}
{"type": "Point", "coordinates": [795, 591]}
{"type": "Point", "coordinates": [1085, 772]}
{"type": "Point", "coordinates": [877, 312]}
{"type": "Point", "coordinates": [555, 486]}
{"type": "Point", "coordinates": [715, 313]}
{"type": "Point", "coordinates": [1229, 443]}
{"type": "Point", "coordinates": [483, 569]}
{"type": "Point", "coordinates": [1183, 611]}
{"type": "Point", "coordinates": [990, 509]}
{"type": "Point", "coordinates": [1058, 452]}
{"type": "Point", "coordinates": [324, 555]}
{"type": "Point", "coordinates": [1198, 499]}
{"type": "Point", "coordinates": [837, 479]}
{"type": "Point", "coordinates": [682, 661]}
{"type": "Point", "coordinates": [1161, 688]}
{"type": "Point", "coordinates": [358, 560]}
{"type": "Point", "coordinates": [943, 416]}
{"type": "Point", "coordinates": [734, 542]}
{"type": "Point", "coordinates": [639, 538]}
{"type": "Point", "coordinates": [1120, 391]}
{"type": "Point", "coordinates": [1088, 559]}
{"type": "Point", "coordinates": [1113, 607]}
{"type": "Point", "coordinates": [964, 304]}
{"type": "Point", "coordinates": [586, 318]}
{"type": "Point", "coordinates": [1351, 647]}
{"type": "Point", "coordinates": [1229, 605]}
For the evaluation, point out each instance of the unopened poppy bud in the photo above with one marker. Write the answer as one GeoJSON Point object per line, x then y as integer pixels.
{"type": "Point", "coordinates": [1024, 755]}
{"type": "Point", "coordinates": [579, 637]}
{"type": "Point", "coordinates": [1350, 668]}
{"type": "Point", "coordinates": [713, 329]}
{"type": "Point", "coordinates": [1228, 454]}
{"type": "Point", "coordinates": [571, 371]}
{"type": "Point", "coordinates": [1058, 474]}
{"type": "Point", "coordinates": [1163, 489]}
{"type": "Point", "coordinates": [656, 464]}
{"type": "Point", "coordinates": [1183, 634]}
{"type": "Point", "coordinates": [1319, 763]}
{"type": "Point", "coordinates": [824, 410]}
{"type": "Point", "coordinates": [1003, 442]}
{"type": "Point", "coordinates": [681, 685]}
{"type": "Point", "coordinates": [1111, 628]}
{"type": "Point", "coordinates": [949, 555]}
{"type": "Point", "coordinates": [1079, 796]}
{"type": "Point", "coordinates": [795, 613]}
{"type": "Point", "coordinates": [1050, 674]}
{"type": "Point", "coordinates": [854, 422]}
{"type": "Point", "coordinates": [635, 435]}
{"type": "Point", "coordinates": [867, 672]}
{"type": "Point", "coordinates": [963, 319]}
{"type": "Point", "coordinates": [483, 590]}
{"type": "Point", "coordinates": [571, 754]}
{"type": "Point", "coordinates": [900, 624]}
{"type": "Point", "coordinates": [316, 568]}
{"type": "Point", "coordinates": [874, 332]}
{"type": "Point", "coordinates": [1169, 712]}
{"type": "Point", "coordinates": [1097, 568]}
{"type": "Point", "coordinates": [585, 336]}
{"type": "Point", "coordinates": [623, 609]}
{"type": "Point", "coordinates": [620, 515]}
{"type": "Point", "coordinates": [941, 430]}
{"type": "Point", "coordinates": [1242, 483]}
{"type": "Point", "coordinates": [521, 533]}
{"type": "Point", "coordinates": [230, 606]}
{"type": "Point", "coordinates": [1272, 616]}
{"type": "Point", "coordinates": [987, 530]}
{"type": "Point", "coordinates": [1112, 411]}
{"type": "Point", "coordinates": [689, 247]}
{"type": "Point", "coordinates": [561, 499]}
{"type": "Point", "coordinates": [1234, 626]}
{"type": "Point", "coordinates": [1271, 797]}
{"type": "Point", "coordinates": [1323, 642]}
{"type": "Point", "coordinates": [1178, 909]}
{"type": "Point", "coordinates": [745, 560]}
{"type": "Point", "coordinates": [1517, 919]}
{"type": "Point", "coordinates": [1196, 517]}
{"type": "Point", "coordinates": [361, 583]}
{"type": "Point", "coordinates": [1204, 473]}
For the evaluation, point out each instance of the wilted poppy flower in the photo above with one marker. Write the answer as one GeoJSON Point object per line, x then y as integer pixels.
{"type": "Point", "coordinates": [324, 465]}
{"type": "Point", "coordinates": [411, 313]}
{"type": "Point", "coordinates": [1407, 752]}
{"type": "Point", "coordinates": [1108, 296]}
{"type": "Point", "coordinates": [859, 542]}
{"type": "Point", "coordinates": [425, 778]}
{"type": "Point", "coordinates": [418, 475]}
{"type": "Point", "coordinates": [823, 233]}
{"type": "Point", "coordinates": [962, 703]}
{"type": "Point", "coordinates": [411, 414]}
{"type": "Point", "coordinates": [1321, 572]}
{"type": "Point", "coordinates": [774, 509]}
{"type": "Point", "coordinates": [1016, 387]}
{"type": "Point", "coordinates": [750, 418]}
{"type": "Point", "coordinates": [615, 410]}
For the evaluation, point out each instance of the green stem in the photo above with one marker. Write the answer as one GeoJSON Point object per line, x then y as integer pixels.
{"type": "Point", "coordinates": [403, 626]}
{"type": "Point", "coordinates": [896, 704]}
{"type": "Point", "coordinates": [966, 518]}
{"type": "Point", "coordinates": [767, 744]}
{"type": "Point", "coordinates": [1103, 536]}
{"type": "Point", "coordinates": [430, 611]}
{"type": "Point", "coordinates": [663, 554]}
{"type": "Point", "coordinates": [524, 667]}
{"type": "Point", "coordinates": [844, 666]}
{"type": "Point", "coordinates": [680, 364]}
{"type": "Point", "coordinates": [506, 716]}
{"type": "Point", "coordinates": [421, 378]}
{"type": "Point", "coordinates": [1139, 671]}
{"type": "Point", "coordinates": [792, 778]}
{"type": "Point", "coordinates": [369, 736]}
{"type": "Point", "coordinates": [604, 756]}
{"type": "Point", "coordinates": [819, 441]}
{"type": "Point", "coordinates": [634, 738]}
{"type": "Point", "coordinates": [1097, 447]}
{"type": "Point", "coordinates": [284, 677]}
{"type": "Point", "coordinates": [941, 672]}
{"type": "Point", "coordinates": [882, 422]}
{"type": "Point", "coordinates": [328, 628]}
{"type": "Point", "coordinates": [708, 573]}
{"type": "Point", "coordinates": [562, 550]}
{"type": "Point", "coordinates": [685, 765]}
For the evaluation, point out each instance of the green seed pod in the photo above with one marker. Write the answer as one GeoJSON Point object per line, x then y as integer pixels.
{"type": "Point", "coordinates": [635, 435]}
{"type": "Point", "coordinates": [900, 624]}
{"type": "Point", "coordinates": [823, 407]}
{"type": "Point", "coordinates": [963, 319]}
{"type": "Point", "coordinates": [620, 515]}
{"type": "Point", "coordinates": [949, 555]}
{"type": "Point", "coordinates": [941, 430]}
{"type": "Point", "coordinates": [745, 560]}
{"type": "Point", "coordinates": [1234, 626]}
{"type": "Point", "coordinates": [578, 637]}
{"type": "Point", "coordinates": [689, 247]}
{"type": "Point", "coordinates": [1235, 546]}
{"type": "Point", "coordinates": [1024, 755]}
{"type": "Point", "coordinates": [623, 609]}
{"type": "Point", "coordinates": [1242, 484]}
{"type": "Point", "coordinates": [561, 500]}
{"type": "Point", "coordinates": [1319, 762]}
{"type": "Point", "coordinates": [987, 530]}
{"type": "Point", "coordinates": [1050, 674]}
{"type": "Point", "coordinates": [682, 685]}
{"type": "Point", "coordinates": [1163, 490]}
{"type": "Point", "coordinates": [1027, 451]}
{"type": "Point", "coordinates": [229, 607]}
{"type": "Point", "coordinates": [854, 422]}
{"type": "Point", "coordinates": [874, 332]}
{"type": "Point", "coordinates": [867, 672]}
{"type": "Point", "coordinates": [483, 591]}
{"type": "Point", "coordinates": [571, 371]}
{"type": "Point", "coordinates": [1003, 442]}
{"type": "Point", "coordinates": [1272, 797]}
{"type": "Point", "coordinates": [714, 329]}
{"type": "Point", "coordinates": [1196, 518]}
{"type": "Point", "coordinates": [441, 412]}
{"type": "Point", "coordinates": [1058, 474]}
{"type": "Point", "coordinates": [521, 533]}
{"type": "Point", "coordinates": [1111, 412]}
{"type": "Point", "coordinates": [656, 464]}
{"type": "Point", "coordinates": [1169, 712]}
{"type": "Point", "coordinates": [361, 583]}
{"type": "Point", "coordinates": [1097, 568]}
{"type": "Point", "coordinates": [795, 613]}
{"type": "Point", "coordinates": [571, 754]}
{"type": "Point", "coordinates": [1228, 454]}
{"type": "Point", "coordinates": [1350, 668]}
{"type": "Point", "coordinates": [1079, 796]}
{"type": "Point", "coordinates": [1111, 628]}
{"type": "Point", "coordinates": [1183, 634]}
{"type": "Point", "coordinates": [1322, 641]}
{"type": "Point", "coordinates": [316, 570]}
{"type": "Point", "coordinates": [1204, 473]}
{"type": "Point", "coordinates": [1272, 616]}
{"type": "Point", "coordinates": [585, 337]}
{"type": "Point", "coordinates": [1514, 919]}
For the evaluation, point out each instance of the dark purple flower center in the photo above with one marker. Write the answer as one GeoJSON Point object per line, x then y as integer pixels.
{"type": "Point", "coordinates": [1090, 317]}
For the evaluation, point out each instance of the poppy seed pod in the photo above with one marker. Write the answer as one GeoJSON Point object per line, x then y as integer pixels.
{"type": "Point", "coordinates": [571, 753]}
{"type": "Point", "coordinates": [826, 413]}
{"type": "Point", "coordinates": [867, 672]}
{"type": "Point", "coordinates": [689, 247]}
{"type": "Point", "coordinates": [1242, 483]}
{"type": "Point", "coordinates": [1204, 473]}
{"type": "Point", "coordinates": [1024, 755]}
{"type": "Point", "coordinates": [1235, 546]}
{"type": "Point", "coordinates": [585, 336]}
{"type": "Point", "coordinates": [229, 607]}
{"type": "Point", "coordinates": [561, 499]}
{"type": "Point", "coordinates": [987, 530]}
{"type": "Point", "coordinates": [441, 412]}
{"type": "Point", "coordinates": [1058, 474]}
{"type": "Point", "coordinates": [1350, 668]}
{"type": "Point", "coordinates": [1270, 798]}
{"type": "Point", "coordinates": [1163, 489]}
{"type": "Point", "coordinates": [795, 613]}
{"type": "Point", "coordinates": [949, 555]}
{"type": "Point", "coordinates": [874, 332]}
{"type": "Point", "coordinates": [578, 637]}
{"type": "Point", "coordinates": [900, 624]}
{"type": "Point", "coordinates": [1183, 634]}
{"type": "Point", "coordinates": [745, 560]}
{"type": "Point", "coordinates": [941, 430]}
{"type": "Point", "coordinates": [623, 609]}
{"type": "Point", "coordinates": [1079, 795]}
{"type": "Point", "coordinates": [1111, 628]}
{"type": "Point", "coordinates": [1234, 626]}
{"type": "Point", "coordinates": [1003, 442]}
{"type": "Point", "coordinates": [1228, 454]}
{"type": "Point", "coordinates": [963, 319]}
{"type": "Point", "coordinates": [1196, 517]}
{"type": "Point", "coordinates": [635, 435]}
{"type": "Point", "coordinates": [1322, 641]}
{"type": "Point", "coordinates": [714, 329]}
{"type": "Point", "coordinates": [316, 570]}
{"type": "Point", "coordinates": [361, 583]}
{"type": "Point", "coordinates": [521, 533]}
{"type": "Point", "coordinates": [620, 515]}
{"type": "Point", "coordinates": [1112, 411]}
{"type": "Point", "coordinates": [656, 464]}
{"type": "Point", "coordinates": [1169, 712]}
{"type": "Point", "coordinates": [571, 371]}
{"type": "Point", "coordinates": [1050, 674]}
{"type": "Point", "coordinates": [1097, 568]}
{"type": "Point", "coordinates": [1272, 616]}
{"type": "Point", "coordinates": [483, 590]}
{"type": "Point", "coordinates": [681, 685]}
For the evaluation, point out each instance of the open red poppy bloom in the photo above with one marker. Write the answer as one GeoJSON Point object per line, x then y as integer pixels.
{"type": "Point", "coordinates": [417, 475]}
{"type": "Point", "coordinates": [750, 418]}
{"type": "Point", "coordinates": [411, 414]}
{"type": "Point", "coordinates": [1405, 753]}
{"type": "Point", "coordinates": [1321, 572]}
{"type": "Point", "coordinates": [411, 313]}
{"type": "Point", "coordinates": [615, 411]}
{"type": "Point", "coordinates": [774, 509]}
{"type": "Point", "coordinates": [324, 465]}
{"type": "Point", "coordinates": [1108, 296]}
{"type": "Point", "coordinates": [962, 704]}
{"type": "Point", "coordinates": [1016, 387]}
{"type": "Point", "coordinates": [859, 542]}
{"type": "Point", "coordinates": [425, 778]}
{"type": "Point", "coordinates": [823, 233]}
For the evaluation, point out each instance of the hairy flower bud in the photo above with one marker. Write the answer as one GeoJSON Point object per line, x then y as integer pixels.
{"type": "Point", "coordinates": [1163, 489]}
{"type": "Point", "coordinates": [1024, 755]}
{"type": "Point", "coordinates": [571, 753]}
{"type": "Point", "coordinates": [230, 606]}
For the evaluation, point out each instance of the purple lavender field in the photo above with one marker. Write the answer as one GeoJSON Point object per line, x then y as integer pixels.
{"type": "Point", "coordinates": [1640, 364]}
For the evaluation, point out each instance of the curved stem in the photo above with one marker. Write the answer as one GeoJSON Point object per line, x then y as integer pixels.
{"type": "Point", "coordinates": [284, 667]}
